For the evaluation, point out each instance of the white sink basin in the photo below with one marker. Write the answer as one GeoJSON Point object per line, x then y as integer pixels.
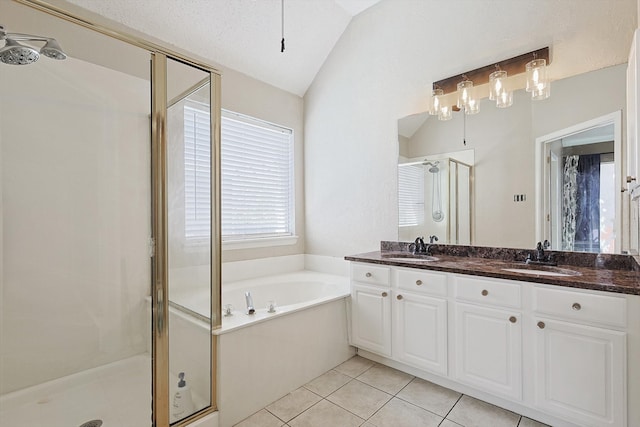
{"type": "Point", "coordinates": [562, 272]}
{"type": "Point", "coordinates": [411, 258]}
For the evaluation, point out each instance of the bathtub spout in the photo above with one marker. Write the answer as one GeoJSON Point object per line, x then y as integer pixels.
{"type": "Point", "coordinates": [249, 299]}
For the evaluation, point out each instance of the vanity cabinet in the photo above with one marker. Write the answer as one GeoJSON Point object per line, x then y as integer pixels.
{"type": "Point", "coordinates": [420, 320]}
{"type": "Point", "coordinates": [561, 352]}
{"type": "Point", "coordinates": [488, 335]}
{"type": "Point", "coordinates": [488, 354]}
{"type": "Point", "coordinates": [580, 358]}
{"type": "Point", "coordinates": [371, 308]}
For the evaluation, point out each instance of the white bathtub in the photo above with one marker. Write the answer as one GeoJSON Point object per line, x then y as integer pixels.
{"type": "Point", "coordinates": [263, 356]}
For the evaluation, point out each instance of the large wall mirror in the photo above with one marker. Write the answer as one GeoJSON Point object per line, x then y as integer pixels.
{"type": "Point", "coordinates": [509, 203]}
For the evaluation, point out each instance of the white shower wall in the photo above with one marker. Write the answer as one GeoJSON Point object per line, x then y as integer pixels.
{"type": "Point", "coordinates": [75, 192]}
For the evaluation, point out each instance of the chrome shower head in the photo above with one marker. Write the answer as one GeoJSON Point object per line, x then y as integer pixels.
{"type": "Point", "coordinates": [15, 53]}
{"type": "Point", "coordinates": [53, 50]}
{"type": "Point", "coordinates": [434, 166]}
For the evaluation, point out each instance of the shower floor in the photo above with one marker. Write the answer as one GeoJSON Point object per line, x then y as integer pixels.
{"type": "Point", "coordinates": [119, 394]}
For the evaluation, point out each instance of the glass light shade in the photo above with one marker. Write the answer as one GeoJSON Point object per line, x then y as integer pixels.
{"type": "Point", "coordinates": [541, 92]}
{"type": "Point", "coordinates": [497, 81]}
{"type": "Point", "coordinates": [505, 99]}
{"type": "Point", "coordinates": [473, 107]}
{"type": "Point", "coordinates": [536, 74]}
{"type": "Point", "coordinates": [445, 113]}
{"type": "Point", "coordinates": [465, 93]}
{"type": "Point", "coordinates": [434, 103]}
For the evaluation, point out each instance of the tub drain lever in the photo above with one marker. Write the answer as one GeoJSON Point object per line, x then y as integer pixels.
{"type": "Point", "coordinates": [250, 309]}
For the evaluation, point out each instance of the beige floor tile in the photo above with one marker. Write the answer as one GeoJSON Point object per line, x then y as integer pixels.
{"type": "Point", "coordinates": [472, 412]}
{"type": "Point", "coordinates": [527, 422]}
{"type": "Point", "coordinates": [385, 378]}
{"type": "Point", "coordinates": [354, 366]}
{"type": "Point", "coordinates": [429, 396]}
{"type": "Point", "coordinates": [398, 413]}
{"type": "Point", "coordinates": [325, 414]}
{"type": "Point", "coordinates": [447, 423]}
{"type": "Point", "coordinates": [327, 383]}
{"type": "Point", "coordinates": [359, 398]}
{"type": "Point", "coordinates": [293, 404]}
{"type": "Point", "coordinates": [262, 418]}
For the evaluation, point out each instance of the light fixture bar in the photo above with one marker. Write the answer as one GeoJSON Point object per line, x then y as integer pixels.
{"type": "Point", "coordinates": [479, 76]}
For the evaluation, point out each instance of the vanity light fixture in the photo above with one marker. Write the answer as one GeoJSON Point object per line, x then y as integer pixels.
{"type": "Point", "coordinates": [445, 113]}
{"type": "Point", "coordinates": [434, 103]}
{"type": "Point", "coordinates": [497, 84]}
{"type": "Point", "coordinates": [537, 82]}
{"type": "Point", "coordinates": [465, 92]}
{"type": "Point", "coordinates": [465, 85]}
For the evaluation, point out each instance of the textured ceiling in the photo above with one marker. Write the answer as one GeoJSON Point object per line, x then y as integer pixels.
{"type": "Point", "coordinates": [243, 34]}
{"type": "Point", "coordinates": [444, 37]}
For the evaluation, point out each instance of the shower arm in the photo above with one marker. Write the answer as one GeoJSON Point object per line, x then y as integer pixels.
{"type": "Point", "coordinates": [24, 37]}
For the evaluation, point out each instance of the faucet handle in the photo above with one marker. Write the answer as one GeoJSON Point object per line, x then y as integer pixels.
{"type": "Point", "coordinates": [432, 239]}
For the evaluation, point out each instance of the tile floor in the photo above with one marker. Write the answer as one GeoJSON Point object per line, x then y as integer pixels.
{"type": "Point", "coordinates": [360, 392]}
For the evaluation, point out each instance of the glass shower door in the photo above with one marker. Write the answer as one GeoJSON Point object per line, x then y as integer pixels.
{"type": "Point", "coordinates": [75, 225]}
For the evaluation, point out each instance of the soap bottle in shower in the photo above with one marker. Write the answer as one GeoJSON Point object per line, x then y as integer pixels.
{"type": "Point", "coordinates": [182, 405]}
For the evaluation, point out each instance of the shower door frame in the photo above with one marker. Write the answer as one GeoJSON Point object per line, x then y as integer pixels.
{"type": "Point", "coordinates": [158, 239]}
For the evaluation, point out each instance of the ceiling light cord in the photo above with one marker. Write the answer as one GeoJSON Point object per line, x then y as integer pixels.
{"type": "Point", "coordinates": [282, 41]}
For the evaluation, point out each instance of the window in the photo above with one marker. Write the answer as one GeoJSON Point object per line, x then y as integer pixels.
{"type": "Point", "coordinates": [410, 195]}
{"type": "Point", "coordinates": [257, 177]}
{"type": "Point", "coordinates": [197, 173]}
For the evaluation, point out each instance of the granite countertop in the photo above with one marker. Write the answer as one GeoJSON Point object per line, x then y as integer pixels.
{"type": "Point", "coordinates": [609, 273]}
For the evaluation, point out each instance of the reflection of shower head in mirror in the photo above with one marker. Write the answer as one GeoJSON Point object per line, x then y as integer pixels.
{"type": "Point", "coordinates": [434, 166]}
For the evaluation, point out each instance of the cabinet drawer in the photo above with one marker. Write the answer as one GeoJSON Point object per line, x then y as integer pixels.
{"type": "Point", "coordinates": [488, 291]}
{"type": "Point", "coordinates": [422, 281]}
{"type": "Point", "coordinates": [369, 273]}
{"type": "Point", "coordinates": [581, 306]}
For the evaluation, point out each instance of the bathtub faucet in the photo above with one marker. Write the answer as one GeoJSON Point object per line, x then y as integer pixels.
{"type": "Point", "coordinates": [250, 309]}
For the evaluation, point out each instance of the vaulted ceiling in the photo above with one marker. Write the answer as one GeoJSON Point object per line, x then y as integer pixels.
{"type": "Point", "coordinates": [244, 35]}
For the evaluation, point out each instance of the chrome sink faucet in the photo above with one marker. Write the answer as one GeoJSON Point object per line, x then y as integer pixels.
{"type": "Point", "coordinates": [419, 247]}
{"type": "Point", "coordinates": [540, 257]}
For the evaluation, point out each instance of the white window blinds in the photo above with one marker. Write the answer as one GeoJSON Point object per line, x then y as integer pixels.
{"type": "Point", "coordinates": [197, 173]}
{"type": "Point", "coordinates": [257, 179]}
{"type": "Point", "coordinates": [411, 195]}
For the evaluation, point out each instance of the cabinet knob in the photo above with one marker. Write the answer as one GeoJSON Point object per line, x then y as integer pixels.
{"type": "Point", "coordinates": [384, 294]}
{"type": "Point", "coordinates": [576, 306]}
{"type": "Point", "coordinates": [513, 319]}
{"type": "Point", "coordinates": [541, 325]}
{"type": "Point", "coordinates": [485, 292]}
{"type": "Point", "coordinates": [418, 282]}
{"type": "Point", "coordinates": [399, 297]}
{"type": "Point", "coordinates": [368, 274]}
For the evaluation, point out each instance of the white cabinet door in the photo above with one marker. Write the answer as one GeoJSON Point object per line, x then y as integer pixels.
{"type": "Point", "coordinates": [420, 331]}
{"type": "Point", "coordinates": [580, 373]}
{"type": "Point", "coordinates": [371, 318]}
{"type": "Point", "coordinates": [488, 346]}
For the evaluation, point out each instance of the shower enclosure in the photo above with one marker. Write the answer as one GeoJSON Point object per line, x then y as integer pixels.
{"type": "Point", "coordinates": [90, 188]}
{"type": "Point", "coordinates": [435, 199]}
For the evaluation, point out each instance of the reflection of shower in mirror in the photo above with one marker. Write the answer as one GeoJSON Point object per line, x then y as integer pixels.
{"type": "Point", "coordinates": [436, 191]}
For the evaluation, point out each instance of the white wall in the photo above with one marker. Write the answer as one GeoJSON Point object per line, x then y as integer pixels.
{"type": "Point", "coordinates": [76, 219]}
{"type": "Point", "coordinates": [382, 69]}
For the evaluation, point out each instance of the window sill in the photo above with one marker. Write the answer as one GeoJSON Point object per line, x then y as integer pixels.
{"type": "Point", "coordinates": [259, 243]}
